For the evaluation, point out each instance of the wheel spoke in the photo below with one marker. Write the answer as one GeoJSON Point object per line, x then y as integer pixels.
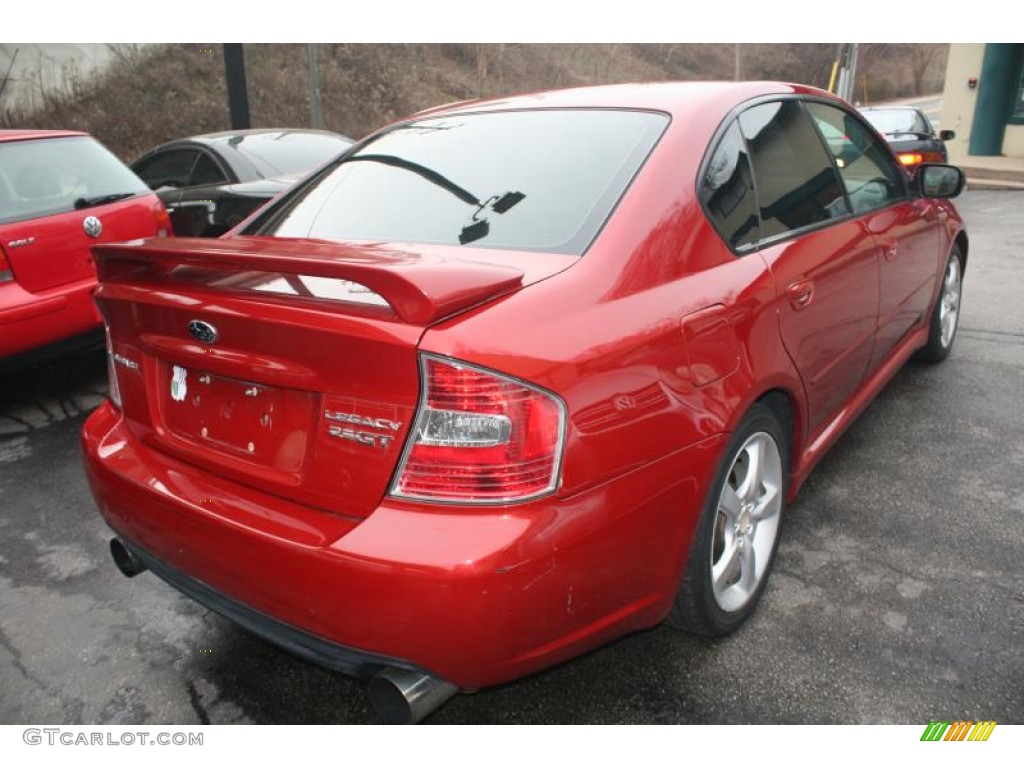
{"type": "Point", "coordinates": [748, 570]}
{"type": "Point", "coordinates": [723, 571]}
{"type": "Point", "coordinates": [729, 504]}
{"type": "Point", "coordinates": [751, 484]}
{"type": "Point", "coordinates": [766, 507]}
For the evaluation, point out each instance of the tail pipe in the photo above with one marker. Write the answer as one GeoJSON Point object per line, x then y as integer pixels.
{"type": "Point", "coordinates": [403, 697]}
{"type": "Point", "coordinates": [126, 562]}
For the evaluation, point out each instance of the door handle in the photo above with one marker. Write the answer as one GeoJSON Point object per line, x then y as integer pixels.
{"type": "Point", "coordinates": [890, 251]}
{"type": "Point", "coordinates": [801, 293]}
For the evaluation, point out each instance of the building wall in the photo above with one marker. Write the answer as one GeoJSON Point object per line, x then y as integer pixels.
{"type": "Point", "coordinates": [959, 101]}
{"type": "Point", "coordinates": [1013, 144]}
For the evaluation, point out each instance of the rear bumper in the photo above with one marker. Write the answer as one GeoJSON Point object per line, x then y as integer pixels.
{"type": "Point", "coordinates": [310, 647]}
{"type": "Point", "coordinates": [476, 597]}
{"type": "Point", "coordinates": [34, 327]}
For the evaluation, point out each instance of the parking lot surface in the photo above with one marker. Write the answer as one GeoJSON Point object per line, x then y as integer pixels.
{"type": "Point", "coordinates": [896, 596]}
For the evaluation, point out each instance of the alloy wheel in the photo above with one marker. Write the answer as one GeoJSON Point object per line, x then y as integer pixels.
{"type": "Point", "coordinates": [949, 303]}
{"type": "Point", "coordinates": [747, 522]}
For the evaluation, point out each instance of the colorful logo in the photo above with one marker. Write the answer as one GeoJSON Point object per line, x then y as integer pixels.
{"type": "Point", "coordinates": [958, 730]}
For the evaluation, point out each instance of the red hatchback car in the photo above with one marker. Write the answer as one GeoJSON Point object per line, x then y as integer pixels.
{"type": "Point", "coordinates": [60, 193]}
{"type": "Point", "coordinates": [513, 378]}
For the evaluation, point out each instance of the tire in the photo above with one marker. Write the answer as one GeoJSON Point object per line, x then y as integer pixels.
{"type": "Point", "coordinates": [734, 546]}
{"type": "Point", "coordinates": [946, 315]}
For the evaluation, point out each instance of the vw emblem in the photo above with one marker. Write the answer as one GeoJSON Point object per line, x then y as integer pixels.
{"type": "Point", "coordinates": [92, 226]}
{"type": "Point", "coordinates": [202, 331]}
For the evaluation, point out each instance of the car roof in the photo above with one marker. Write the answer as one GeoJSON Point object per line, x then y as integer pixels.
{"type": "Point", "coordinates": [22, 134]}
{"type": "Point", "coordinates": [676, 98]}
{"type": "Point", "coordinates": [223, 137]}
{"type": "Point", "coordinates": [894, 108]}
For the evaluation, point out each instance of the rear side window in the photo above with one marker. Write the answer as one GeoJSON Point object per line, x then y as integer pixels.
{"type": "Point", "coordinates": [42, 177]}
{"type": "Point", "coordinates": [797, 186]}
{"type": "Point", "coordinates": [869, 173]}
{"type": "Point", "coordinates": [727, 191]}
{"type": "Point", "coordinates": [543, 180]}
{"type": "Point", "coordinates": [206, 172]}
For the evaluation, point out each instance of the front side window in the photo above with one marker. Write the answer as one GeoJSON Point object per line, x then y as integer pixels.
{"type": "Point", "coordinates": [540, 180]}
{"type": "Point", "coordinates": [870, 175]}
{"type": "Point", "coordinates": [727, 191]}
{"type": "Point", "coordinates": [41, 177]}
{"type": "Point", "coordinates": [172, 168]}
{"type": "Point", "coordinates": [797, 186]}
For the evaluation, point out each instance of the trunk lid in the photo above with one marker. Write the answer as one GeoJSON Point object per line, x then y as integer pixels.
{"type": "Point", "coordinates": [287, 365]}
{"type": "Point", "coordinates": [61, 194]}
{"type": "Point", "coordinates": [54, 250]}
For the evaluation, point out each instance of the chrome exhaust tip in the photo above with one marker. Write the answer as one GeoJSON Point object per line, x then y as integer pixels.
{"type": "Point", "coordinates": [403, 697]}
{"type": "Point", "coordinates": [126, 562]}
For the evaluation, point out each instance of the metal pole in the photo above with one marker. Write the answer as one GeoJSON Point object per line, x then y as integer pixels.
{"type": "Point", "coordinates": [238, 96]}
{"type": "Point", "coordinates": [851, 82]}
{"type": "Point", "coordinates": [316, 118]}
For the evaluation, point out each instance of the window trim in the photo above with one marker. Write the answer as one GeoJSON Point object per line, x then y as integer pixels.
{"type": "Point", "coordinates": [762, 243]}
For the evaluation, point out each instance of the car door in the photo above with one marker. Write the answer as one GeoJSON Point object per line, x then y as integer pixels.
{"type": "Point", "coordinates": [906, 230]}
{"type": "Point", "coordinates": [195, 213]}
{"type": "Point", "coordinates": [167, 172]}
{"type": "Point", "coordinates": [823, 260]}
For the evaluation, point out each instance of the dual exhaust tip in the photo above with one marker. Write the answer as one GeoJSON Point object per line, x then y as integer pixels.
{"type": "Point", "coordinates": [400, 696]}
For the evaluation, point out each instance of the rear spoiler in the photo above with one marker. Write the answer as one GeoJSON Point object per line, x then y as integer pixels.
{"type": "Point", "coordinates": [420, 289]}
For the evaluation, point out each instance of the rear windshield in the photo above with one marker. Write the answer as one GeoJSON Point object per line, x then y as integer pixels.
{"type": "Point", "coordinates": [284, 153]}
{"type": "Point", "coordinates": [542, 180]}
{"type": "Point", "coordinates": [896, 120]}
{"type": "Point", "coordinates": [41, 177]}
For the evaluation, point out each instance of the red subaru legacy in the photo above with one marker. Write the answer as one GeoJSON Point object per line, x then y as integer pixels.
{"type": "Point", "coordinates": [60, 193]}
{"type": "Point", "coordinates": [513, 378]}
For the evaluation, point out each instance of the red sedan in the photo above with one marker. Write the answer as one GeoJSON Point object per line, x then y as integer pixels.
{"type": "Point", "coordinates": [60, 193]}
{"type": "Point", "coordinates": [513, 378]}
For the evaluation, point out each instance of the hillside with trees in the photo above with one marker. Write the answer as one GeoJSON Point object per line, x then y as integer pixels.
{"type": "Point", "coordinates": [148, 95]}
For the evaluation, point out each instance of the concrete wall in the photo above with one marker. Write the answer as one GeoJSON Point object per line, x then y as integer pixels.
{"type": "Point", "coordinates": [44, 67]}
{"type": "Point", "coordinates": [1013, 144]}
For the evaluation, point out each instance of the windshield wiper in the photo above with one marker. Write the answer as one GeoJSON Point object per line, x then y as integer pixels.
{"type": "Point", "coordinates": [89, 202]}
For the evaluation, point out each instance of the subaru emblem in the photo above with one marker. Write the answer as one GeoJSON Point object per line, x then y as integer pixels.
{"type": "Point", "coordinates": [92, 226]}
{"type": "Point", "coordinates": [202, 331]}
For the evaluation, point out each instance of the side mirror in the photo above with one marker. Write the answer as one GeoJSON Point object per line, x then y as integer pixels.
{"type": "Point", "coordinates": [934, 180]}
{"type": "Point", "coordinates": [947, 135]}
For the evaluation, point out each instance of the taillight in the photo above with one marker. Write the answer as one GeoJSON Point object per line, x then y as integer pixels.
{"type": "Point", "coordinates": [480, 437]}
{"type": "Point", "coordinates": [6, 275]}
{"type": "Point", "coordinates": [163, 220]}
{"type": "Point", "coordinates": [115, 390]}
{"type": "Point", "coordinates": [916, 158]}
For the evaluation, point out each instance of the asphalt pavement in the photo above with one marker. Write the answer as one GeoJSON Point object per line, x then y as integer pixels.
{"type": "Point", "coordinates": [896, 596]}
